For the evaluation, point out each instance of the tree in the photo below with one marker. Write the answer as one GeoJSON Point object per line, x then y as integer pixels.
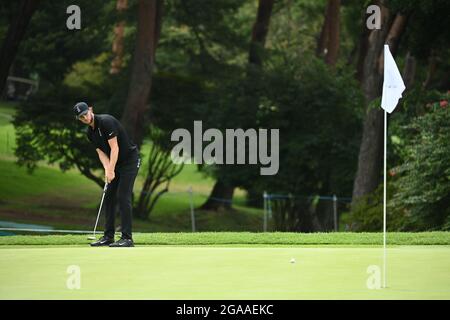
{"type": "Point", "coordinates": [328, 43]}
{"type": "Point", "coordinates": [159, 172]}
{"type": "Point", "coordinates": [423, 179]}
{"type": "Point", "coordinates": [134, 117]}
{"type": "Point", "coordinates": [71, 68]}
{"type": "Point", "coordinates": [207, 30]}
{"type": "Point", "coordinates": [418, 183]}
{"type": "Point", "coordinates": [119, 29]}
{"type": "Point", "coordinates": [16, 31]}
{"type": "Point", "coordinates": [423, 38]}
{"type": "Point", "coordinates": [370, 155]}
{"type": "Point", "coordinates": [260, 30]}
{"type": "Point", "coordinates": [224, 188]}
{"type": "Point", "coordinates": [315, 111]}
{"type": "Point", "coordinates": [54, 136]}
{"type": "Point", "coordinates": [50, 50]}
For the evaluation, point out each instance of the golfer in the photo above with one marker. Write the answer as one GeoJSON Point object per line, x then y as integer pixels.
{"type": "Point", "coordinates": [120, 159]}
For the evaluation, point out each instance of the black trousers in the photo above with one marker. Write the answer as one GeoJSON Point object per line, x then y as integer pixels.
{"type": "Point", "coordinates": [121, 190]}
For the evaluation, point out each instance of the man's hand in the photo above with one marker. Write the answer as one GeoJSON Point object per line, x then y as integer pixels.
{"type": "Point", "coordinates": [109, 175]}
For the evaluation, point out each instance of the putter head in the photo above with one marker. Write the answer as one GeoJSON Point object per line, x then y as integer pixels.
{"type": "Point", "coordinates": [92, 238]}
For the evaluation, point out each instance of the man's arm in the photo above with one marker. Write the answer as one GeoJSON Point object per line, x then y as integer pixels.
{"type": "Point", "coordinates": [103, 158]}
{"type": "Point", "coordinates": [109, 127]}
{"type": "Point", "coordinates": [112, 159]}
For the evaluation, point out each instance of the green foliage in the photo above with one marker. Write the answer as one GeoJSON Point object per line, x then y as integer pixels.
{"type": "Point", "coordinates": [201, 73]}
{"type": "Point", "coordinates": [88, 77]}
{"type": "Point", "coordinates": [50, 49]}
{"type": "Point", "coordinates": [411, 106]}
{"type": "Point", "coordinates": [294, 27]}
{"type": "Point", "coordinates": [45, 126]}
{"type": "Point", "coordinates": [418, 185]}
{"type": "Point", "coordinates": [317, 113]}
{"type": "Point", "coordinates": [426, 39]}
{"type": "Point", "coordinates": [424, 178]}
{"type": "Point", "coordinates": [72, 66]}
{"type": "Point", "coordinates": [53, 135]}
{"type": "Point", "coordinates": [202, 37]}
{"type": "Point", "coordinates": [367, 213]}
{"type": "Point", "coordinates": [427, 27]}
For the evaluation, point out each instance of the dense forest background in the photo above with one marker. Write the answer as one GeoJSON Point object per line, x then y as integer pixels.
{"type": "Point", "coordinates": [310, 68]}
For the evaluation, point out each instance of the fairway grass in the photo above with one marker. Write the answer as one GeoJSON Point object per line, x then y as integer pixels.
{"type": "Point", "coordinates": [211, 272]}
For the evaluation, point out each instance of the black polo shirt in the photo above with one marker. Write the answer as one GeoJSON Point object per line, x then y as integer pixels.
{"type": "Point", "coordinates": [107, 127]}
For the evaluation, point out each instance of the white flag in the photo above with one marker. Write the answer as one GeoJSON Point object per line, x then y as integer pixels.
{"type": "Point", "coordinates": [393, 85]}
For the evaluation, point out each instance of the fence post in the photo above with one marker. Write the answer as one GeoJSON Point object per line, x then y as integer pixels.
{"type": "Point", "coordinates": [269, 207]}
{"type": "Point", "coordinates": [335, 213]}
{"type": "Point", "coordinates": [265, 212]}
{"type": "Point", "coordinates": [191, 200]}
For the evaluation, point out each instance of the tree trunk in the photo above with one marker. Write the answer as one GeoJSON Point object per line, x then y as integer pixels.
{"type": "Point", "coordinates": [260, 30]}
{"type": "Point", "coordinates": [333, 31]}
{"type": "Point", "coordinates": [15, 33]}
{"type": "Point", "coordinates": [409, 71]}
{"type": "Point", "coordinates": [432, 66]}
{"type": "Point", "coordinates": [370, 155]}
{"type": "Point", "coordinates": [370, 158]}
{"type": "Point", "coordinates": [322, 42]}
{"type": "Point", "coordinates": [328, 43]}
{"type": "Point", "coordinates": [222, 190]}
{"type": "Point", "coordinates": [220, 197]}
{"type": "Point", "coordinates": [362, 52]}
{"type": "Point", "coordinates": [117, 47]}
{"type": "Point", "coordinates": [395, 32]}
{"type": "Point", "coordinates": [370, 152]}
{"type": "Point", "coordinates": [134, 117]}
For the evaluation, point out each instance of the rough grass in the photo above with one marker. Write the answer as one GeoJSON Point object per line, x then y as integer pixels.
{"type": "Point", "coordinates": [7, 133]}
{"type": "Point", "coordinates": [246, 238]}
{"type": "Point", "coordinates": [69, 201]}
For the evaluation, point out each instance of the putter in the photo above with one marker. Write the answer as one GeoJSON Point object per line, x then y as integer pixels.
{"type": "Point", "coordinates": [99, 210]}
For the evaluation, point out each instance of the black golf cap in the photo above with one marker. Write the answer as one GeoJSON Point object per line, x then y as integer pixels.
{"type": "Point", "coordinates": [80, 109]}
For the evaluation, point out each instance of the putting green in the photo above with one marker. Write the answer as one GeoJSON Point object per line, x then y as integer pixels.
{"type": "Point", "coordinates": [205, 272]}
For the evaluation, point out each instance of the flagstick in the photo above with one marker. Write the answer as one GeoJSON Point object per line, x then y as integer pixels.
{"type": "Point", "coordinates": [384, 202]}
{"type": "Point", "coordinates": [393, 86]}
